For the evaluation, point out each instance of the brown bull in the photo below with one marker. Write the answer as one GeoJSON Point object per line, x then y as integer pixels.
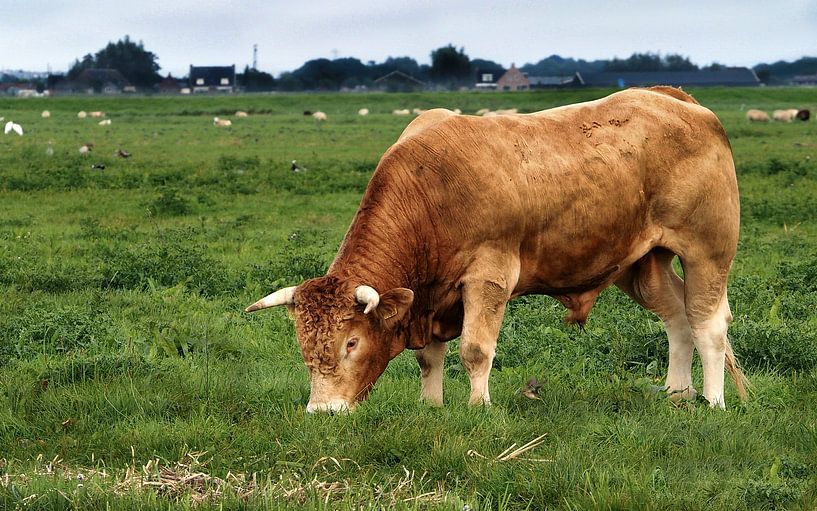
{"type": "Point", "coordinates": [464, 213]}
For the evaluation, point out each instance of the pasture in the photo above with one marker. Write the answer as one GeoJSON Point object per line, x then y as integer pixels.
{"type": "Point", "coordinates": [131, 378]}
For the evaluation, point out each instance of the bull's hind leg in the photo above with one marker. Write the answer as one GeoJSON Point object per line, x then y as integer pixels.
{"type": "Point", "coordinates": [709, 316]}
{"type": "Point", "coordinates": [653, 284]}
{"type": "Point", "coordinates": [485, 291]}
{"type": "Point", "coordinates": [431, 360]}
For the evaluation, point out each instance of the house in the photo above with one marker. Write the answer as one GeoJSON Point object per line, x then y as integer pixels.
{"type": "Point", "coordinates": [398, 81]}
{"type": "Point", "coordinates": [170, 85]}
{"type": "Point", "coordinates": [513, 79]}
{"type": "Point", "coordinates": [212, 78]}
{"type": "Point", "coordinates": [100, 80]}
{"type": "Point", "coordinates": [487, 78]}
{"type": "Point", "coordinates": [730, 76]}
{"type": "Point", "coordinates": [550, 82]}
{"type": "Point", "coordinates": [804, 80]}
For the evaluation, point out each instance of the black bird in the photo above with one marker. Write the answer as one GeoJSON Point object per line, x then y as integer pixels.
{"type": "Point", "coordinates": [297, 168]}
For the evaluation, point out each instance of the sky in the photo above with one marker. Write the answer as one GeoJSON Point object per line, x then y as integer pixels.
{"type": "Point", "coordinates": [40, 34]}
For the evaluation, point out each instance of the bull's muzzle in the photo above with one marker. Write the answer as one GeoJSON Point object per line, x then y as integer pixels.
{"type": "Point", "coordinates": [333, 406]}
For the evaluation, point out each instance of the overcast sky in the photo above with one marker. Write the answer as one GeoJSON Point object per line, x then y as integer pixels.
{"type": "Point", "coordinates": [42, 33]}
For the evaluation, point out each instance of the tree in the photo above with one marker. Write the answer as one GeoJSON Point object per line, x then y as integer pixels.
{"type": "Point", "coordinates": [450, 65]}
{"type": "Point", "coordinates": [651, 62]}
{"type": "Point", "coordinates": [254, 80]}
{"type": "Point", "coordinates": [131, 59]}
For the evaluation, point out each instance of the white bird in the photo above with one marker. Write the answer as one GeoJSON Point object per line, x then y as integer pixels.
{"type": "Point", "coordinates": [296, 168]}
{"type": "Point", "coordinates": [12, 126]}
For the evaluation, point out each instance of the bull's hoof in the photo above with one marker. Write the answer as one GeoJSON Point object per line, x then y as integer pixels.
{"type": "Point", "coordinates": [685, 394]}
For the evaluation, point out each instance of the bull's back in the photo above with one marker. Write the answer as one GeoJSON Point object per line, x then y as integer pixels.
{"type": "Point", "coordinates": [579, 186]}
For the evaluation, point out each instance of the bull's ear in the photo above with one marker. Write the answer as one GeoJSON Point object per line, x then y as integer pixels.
{"type": "Point", "coordinates": [395, 304]}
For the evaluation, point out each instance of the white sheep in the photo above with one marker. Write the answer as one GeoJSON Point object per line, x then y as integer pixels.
{"type": "Point", "coordinates": [105, 122]}
{"type": "Point", "coordinates": [81, 114]}
{"type": "Point", "coordinates": [222, 122]}
{"type": "Point", "coordinates": [97, 114]}
{"type": "Point", "coordinates": [46, 114]}
{"type": "Point", "coordinates": [241, 114]}
{"type": "Point", "coordinates": [757, 115]}
{"type": "Point", "coordinates": [319, 116]}
{"type": "Point", "coordinates": [404, 111]}
{"type": "Point", "coordinates": [363, 111]}
{"type": "Point", "coordinates": [785, 115]}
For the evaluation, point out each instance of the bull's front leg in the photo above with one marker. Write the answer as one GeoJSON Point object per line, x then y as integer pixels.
{"type": "Point", "coordinates": [432, 360]}
{"type": "Point", "coordinates": [484, 298]}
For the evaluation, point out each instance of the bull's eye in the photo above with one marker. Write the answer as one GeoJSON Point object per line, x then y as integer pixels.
{"type": "Point", "coordinates": [351, 344]}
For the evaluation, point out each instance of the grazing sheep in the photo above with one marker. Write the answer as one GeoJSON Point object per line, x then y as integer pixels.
{"type": "Point", "coordinates": [785, 115]}
{"type": "Point", "coordinates": [404, 111]}
{"type": "Point", "coordinates": [319, 116]}
{"type": "Point", "coordinates": [13, 126]}
{"type": "Point", "coordinates": [363, 111]}
{"type": "Point", "coordinates": [490, 114]}
{"type": "Point", "coordinates": [483, 111]}
{"type": "Point", "coordinates": [457, 111]}
{"type": "Point", "coordinates": [105, 122]}
{"type": "Point", "coordinates": [417, 111]}
{"type": "Point", "coordinates": [82, 115]}
{"type": "Point", "coordinates": [222, 122]}
{"type": "Point", "coordinates": [97, 114]}
{"type": "Point", "coordinates": [803, 115]}
{"type": "Point", "coordinates": [46, 114]}
{"type": "Point", "coordinates": [757, 115]}
{"type": "Point", "coordinates": [507, 111]}
{"type": "Point", "coordinates": [85, 149]}
{"type": "Point", "coordinates": [241, 114]}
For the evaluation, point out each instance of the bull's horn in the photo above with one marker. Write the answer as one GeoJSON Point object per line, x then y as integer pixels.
{"type": "Point", "coordinates": [285, 296]}
{"type": "Point", "coordinates": [367, 296]}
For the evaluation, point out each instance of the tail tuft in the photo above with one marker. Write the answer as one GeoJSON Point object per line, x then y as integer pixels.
{"type": "Point", "coordinates": [733, 368]}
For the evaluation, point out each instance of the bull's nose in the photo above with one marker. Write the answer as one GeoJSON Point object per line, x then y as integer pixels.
{"type": "Point", "coordinates": [334, 406]}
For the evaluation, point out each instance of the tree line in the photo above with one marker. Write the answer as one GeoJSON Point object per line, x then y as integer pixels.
{"type": "Point", "coordinates": [450, 67]}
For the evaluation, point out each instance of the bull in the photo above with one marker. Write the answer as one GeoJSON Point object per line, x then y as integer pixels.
{"type": "Point", "coordinates": [464, 213]}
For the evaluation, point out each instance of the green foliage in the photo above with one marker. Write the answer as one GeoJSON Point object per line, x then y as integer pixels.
{"type": "Point", "coordinates": [136, 64]}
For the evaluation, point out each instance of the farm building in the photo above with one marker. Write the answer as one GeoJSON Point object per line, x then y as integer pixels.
{"type": "Point", "coordinates": [804, 80]}
{"type": "Point", "coordinates": [513, 79]}
{"type": "Point", "coordinates": [212, 78]}
{"type": "Point", "coordinates": [486, 78]}
{"type": "Point", "coordinates": [105, 81]}
{"type": "Point", "coordinates": [398, 81]}
{"type": "Point", "coordinates": [732, 76]}
{"type": "Point", "coordinates": [549, 82]}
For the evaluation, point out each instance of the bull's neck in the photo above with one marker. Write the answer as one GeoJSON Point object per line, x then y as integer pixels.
{"type": "Point", "coordinates": [380, 250]}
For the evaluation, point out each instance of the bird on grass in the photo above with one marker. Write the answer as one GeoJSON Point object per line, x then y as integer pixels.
{"type": "Point", "coordinates": [13, 126]}
{"type": "Point", "coordinates": [297, 168]}
{"type": "Point", "coordinates": [122, 153]}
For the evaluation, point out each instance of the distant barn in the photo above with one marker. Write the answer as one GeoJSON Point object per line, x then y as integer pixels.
{"type": "Point", "coordinates": [398, 81]}
{"type": "Point", "coordinates": [212, 78]}
{"type": "Point", "coordinates": [513, 79]}
{"type": "Point", "coordinates": [731, 77]}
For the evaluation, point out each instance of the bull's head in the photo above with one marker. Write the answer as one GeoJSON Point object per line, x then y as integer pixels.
{"type": "Point", "coordinates": [347, 335]}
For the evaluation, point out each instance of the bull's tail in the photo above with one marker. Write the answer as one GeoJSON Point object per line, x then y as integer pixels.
{"type": "Point", "coordinates": [674, 92]}
{"type": "Point", "coordinates": [733, 368]}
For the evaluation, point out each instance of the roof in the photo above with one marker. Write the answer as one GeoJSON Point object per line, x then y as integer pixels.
{"type": "Point", "coordinates": [727, 76]}
{"type": "Point", "coordinates": [555, 80]}
{"type": "Point", "coordinates": [400, 76]}
{"type": "Point", "coordinates": [212, 75]}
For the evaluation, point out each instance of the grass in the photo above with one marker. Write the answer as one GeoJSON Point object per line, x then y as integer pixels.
{"type": "Point", "coordinates": [130, 378]}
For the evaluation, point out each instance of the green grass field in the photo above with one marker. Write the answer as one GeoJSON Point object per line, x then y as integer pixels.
{"type": "Point", "coordinates": [130, 377]}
